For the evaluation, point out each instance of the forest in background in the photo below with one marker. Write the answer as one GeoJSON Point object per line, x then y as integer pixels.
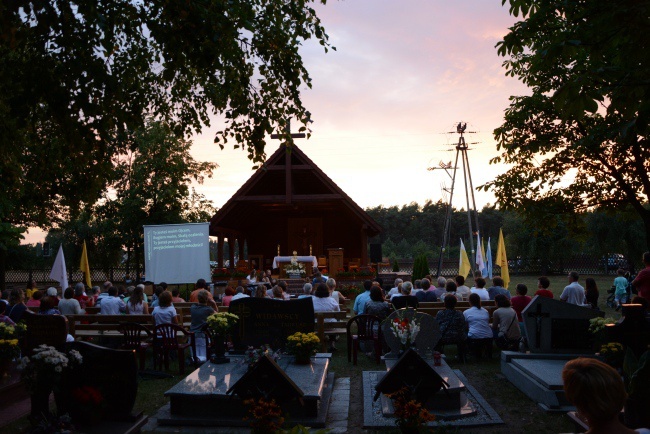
{"type": "Point", "coordinates": [414, 229]}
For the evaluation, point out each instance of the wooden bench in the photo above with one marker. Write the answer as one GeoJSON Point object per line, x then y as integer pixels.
{"type": "Point", "coordinates": [328, 328]}
{"type": "Point", "coordinates": [98, 325]}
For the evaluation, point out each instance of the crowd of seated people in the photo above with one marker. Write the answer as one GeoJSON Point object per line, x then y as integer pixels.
{"type": "Point", "coordinates": [473, 324]}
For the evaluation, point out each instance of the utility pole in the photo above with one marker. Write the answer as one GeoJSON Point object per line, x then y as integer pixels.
{"type": "Point", "coordinates": [461, 151]}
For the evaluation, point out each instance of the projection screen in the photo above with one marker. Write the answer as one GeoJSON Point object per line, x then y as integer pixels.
{"type": "Point", "coordinates": [177, 253]}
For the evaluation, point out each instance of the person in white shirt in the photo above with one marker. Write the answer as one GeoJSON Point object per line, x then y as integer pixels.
{"type": "Point", "coordinates": [394, 290]}
{"type": "Point", "coordinates": [69, 305]}
{"type": "Point", "coordinates": [480, 289]}
{"type": "Point", "coordinates": [239, 294]}
{"type": "Point", "coordinates": [573, 293]}
{"type": "Point", "coordinates": [252, 278]}
{"type": "Point", "coordinates": [336, 295]}
{"type": "Point", "coordinates": [164, 313]}
{"type": "Point", "coordinates": [306, 289]}
{"type": "Point", "coordinates": [480, 335]}
{"type": "Point", "coordinates": [324, 303]}
{"type": "Point", "coordinates": [112, 305]}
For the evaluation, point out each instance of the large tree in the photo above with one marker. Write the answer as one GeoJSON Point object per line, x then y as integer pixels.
{"type": "Point", "coordinates": [78, 77]}
{"type": "Point", "coordinates": [580, 139]}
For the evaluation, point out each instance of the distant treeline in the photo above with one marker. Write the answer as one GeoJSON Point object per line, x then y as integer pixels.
{"type": "Point", "coordinates": [413, 229]}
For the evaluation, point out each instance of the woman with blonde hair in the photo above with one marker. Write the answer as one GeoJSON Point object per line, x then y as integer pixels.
{"type": "Point", "coordinates": [597, 391]}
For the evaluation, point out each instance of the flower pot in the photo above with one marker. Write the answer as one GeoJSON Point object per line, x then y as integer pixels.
{"type": "Point", "coordinates": [219, 350]}
{"type": "Point", "coordinates": [5, 369]}
{"type": "Point", "coordinates": [40, 400]}
{"type": "Point", "coordinates": [302, 359]}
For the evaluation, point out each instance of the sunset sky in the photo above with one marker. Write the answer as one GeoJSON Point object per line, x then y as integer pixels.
{"type": "Point", "coordinates": [404, 73]}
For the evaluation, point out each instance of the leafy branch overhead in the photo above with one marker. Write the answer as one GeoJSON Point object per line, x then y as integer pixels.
{"type": "Point", "coordinates": [77, 79]}
{"type": "Point", "coordinates": [579, 140]}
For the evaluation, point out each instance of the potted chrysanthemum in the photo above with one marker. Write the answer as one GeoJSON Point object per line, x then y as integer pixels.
{"type": "Point", "coordinates": [302, 346]}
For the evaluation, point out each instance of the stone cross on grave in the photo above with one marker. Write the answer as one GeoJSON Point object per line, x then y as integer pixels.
{"type": "Point", "coordinates": [539, 316]}
{"type": "Point", "coordinates": [287, 163]}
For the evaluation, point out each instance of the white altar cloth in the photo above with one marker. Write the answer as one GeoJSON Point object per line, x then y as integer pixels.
{"type": "Point", "coordinates": [278, 259]}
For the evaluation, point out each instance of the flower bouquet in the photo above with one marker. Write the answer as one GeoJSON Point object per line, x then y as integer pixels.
{"type": "Point", "coordinates": [409, 414]}
{"type": "Point", "coordinates": [597, 328]}
{"type": "Point", "coordinates": [612, 354]}
{"type": "Point", "coordinates": [42, 372]}
{"type": "Point", "coordinates": [253, 355]}
{"type": "Point", "coordinates": [9, 347]}
{"type": "Point", "coordinates": [406, 330]}
{"type": "Point", "coordinates": [302, 346]}
{"type": "Point", "coordinates": [220, 324]}
{"type": "Point", "coordinates": [265, 416]}
{"type": "Point", "coordinates": [598, 324]}
{"type": "Point", "coordinates": [87, 405]}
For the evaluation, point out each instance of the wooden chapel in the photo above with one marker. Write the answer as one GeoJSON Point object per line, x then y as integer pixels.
{"type": "Point", "coordinates": [290, 204]}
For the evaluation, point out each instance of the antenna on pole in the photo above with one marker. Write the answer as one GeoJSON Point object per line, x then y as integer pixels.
{"type": "Point", "coordinates": [450, 170]}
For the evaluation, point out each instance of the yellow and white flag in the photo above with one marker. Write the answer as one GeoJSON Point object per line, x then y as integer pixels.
{"type": "Point", "coordinates": [464, 267]}
{"type": "Point", "coordinates": [502, 260]}
{"type": "Point", "coordinates": [85, 267]}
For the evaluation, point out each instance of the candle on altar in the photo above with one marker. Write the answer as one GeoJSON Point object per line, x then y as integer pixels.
{"type": "Point", "coordinates": [278, 250]}
{"type": "Point", "coordinates": [310, 250]}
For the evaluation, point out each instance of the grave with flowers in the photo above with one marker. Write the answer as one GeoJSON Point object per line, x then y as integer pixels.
{"type": "Point", "coordinates": [418, 383]}
{"type": "Point", "coordinates": [273, 367]}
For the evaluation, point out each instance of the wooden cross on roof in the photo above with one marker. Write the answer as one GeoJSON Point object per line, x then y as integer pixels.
{"type": "Point", "coordinates": [287, 161]}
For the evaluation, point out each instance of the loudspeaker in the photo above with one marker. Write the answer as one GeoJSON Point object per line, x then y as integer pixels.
{"type": "Point", "coordinates": [375, 253]}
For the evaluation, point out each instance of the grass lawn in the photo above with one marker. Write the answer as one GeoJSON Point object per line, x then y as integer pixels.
{"type": "Point", "coordinates": [519, 413]}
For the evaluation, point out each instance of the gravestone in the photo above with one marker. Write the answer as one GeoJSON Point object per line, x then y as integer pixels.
{"type": "Point", "coordinates": [213, 394]}
{"type": "Point", "coordinates": [263, 321]}
{"type": "Point", "coordinates": [557, 327]}
{"type": "Point", "coordinates": [413, 372]}
{"type": "Point", "coordinates": [49, 330]}
{"type": "Point", "coordinates": [112, 373]}
{"type": "Point", "coordinates": [426, 339]}
{"type": "Point", "coordinates": [632, 330]}
{"type": "Point", "coordinates": [266, 380]}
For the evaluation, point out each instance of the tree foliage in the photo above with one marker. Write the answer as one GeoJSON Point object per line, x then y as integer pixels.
{"type": "Point", "coordinates": [149, 186]}
{"type": "Point", "coordinates": [580, 139]}
{"type": "Point", "coordinates": [77, 79]}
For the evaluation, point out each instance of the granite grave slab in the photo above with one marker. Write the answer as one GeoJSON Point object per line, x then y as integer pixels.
{"type": "Point", "coordinates": [202, 398]}
{"type": "Point", "coordinates": [378, 414]}
{"type": "Point", "coordinates": [539, 376]}
{"type": "Point", "coordinates": [554, 326]}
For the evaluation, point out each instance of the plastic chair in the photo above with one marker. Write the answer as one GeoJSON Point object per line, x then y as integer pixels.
{"type": "Point", "coordinates": [368, 329]}
{"type": "Point", "coordinates": [166, 341]}
{"type": "Point", "coordinates": [132, 333]}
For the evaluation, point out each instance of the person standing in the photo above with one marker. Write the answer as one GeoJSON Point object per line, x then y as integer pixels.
{"type": "Point", "coordinates": [573, 293]}
{"type": "Point", "coordinates": [542, 287]}
{"type": "Point", "coordinates": [591, 292]}
{"type": "Point", "coordinates": [520, 301]}
{"type": "Point", "coordinates": [642, 281]}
